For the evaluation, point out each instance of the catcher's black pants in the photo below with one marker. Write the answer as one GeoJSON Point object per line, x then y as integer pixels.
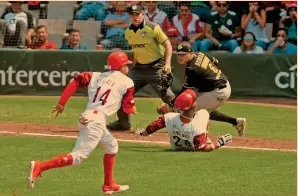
{"type": "Point", "coordinates": [148, 74]}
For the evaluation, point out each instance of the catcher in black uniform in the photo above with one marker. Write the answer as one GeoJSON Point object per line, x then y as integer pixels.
{"type": "Point", "coordinates": [203, 75]}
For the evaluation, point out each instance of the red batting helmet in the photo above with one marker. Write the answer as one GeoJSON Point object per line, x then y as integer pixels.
{"type": "Point", "coordinates": [117, 60]}
{"type": "Point", "coordinates": [185, 100]}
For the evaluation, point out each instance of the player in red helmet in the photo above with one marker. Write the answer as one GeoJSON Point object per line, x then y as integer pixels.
{"type": "Point", "coordinates": [187, 130]}
{"type": "Point", "coordinates": [108, 92]}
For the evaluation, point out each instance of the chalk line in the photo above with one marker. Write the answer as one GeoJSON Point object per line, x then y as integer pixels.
{"type": "Point", "coordinates": [141, 141]}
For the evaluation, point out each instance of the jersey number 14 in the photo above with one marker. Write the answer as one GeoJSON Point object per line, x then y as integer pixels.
{"type": "Point", "coordinates": [103, 98]}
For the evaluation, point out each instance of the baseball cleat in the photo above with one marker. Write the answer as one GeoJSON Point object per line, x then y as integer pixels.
{"type": "Point", "coordinates": [241, 126]}
{"type": "Point", "coordinates": [35, 172]}
{"type": "Point", "coordinates": [114, 188]}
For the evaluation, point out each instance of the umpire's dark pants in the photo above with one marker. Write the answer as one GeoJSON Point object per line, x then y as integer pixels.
{"type": "Point", "coordinates": [143, 74]}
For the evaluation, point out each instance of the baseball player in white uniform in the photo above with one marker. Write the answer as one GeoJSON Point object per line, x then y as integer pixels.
{"type": "Point", "coordinates": [107, 92]}
{"type": "Point", "coordinates": [203, 75]}
{"type": "Point", "coordinates": [187, 130]}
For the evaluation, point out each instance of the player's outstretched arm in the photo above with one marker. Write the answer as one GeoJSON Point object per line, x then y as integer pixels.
{"type": "Point", "coordinates": [201, 145]}
{"type": "Point", "coordinates": [153, 127]}
{"type": "Point", "coordinates": [80, 80]}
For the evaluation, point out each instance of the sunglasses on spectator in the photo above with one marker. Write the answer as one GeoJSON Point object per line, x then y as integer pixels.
{"type": "Point", "coordinates": [184, 10]}
{"type": "Point", "coordinates": [222, 5]}
{"type": "Point", "coordinates": [248, 37]}
{"type": "Point", "coordinates": [171, 36]}
{"type": "Point", "coordinates": [293, 9]}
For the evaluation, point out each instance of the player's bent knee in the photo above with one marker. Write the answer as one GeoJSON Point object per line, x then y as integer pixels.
{"type": "Point", "coordinates": [77, 159]}
{"type": "Point", "coordinates": [112, 148]}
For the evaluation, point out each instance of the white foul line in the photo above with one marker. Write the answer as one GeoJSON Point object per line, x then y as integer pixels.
{"type": "Point", "coordinates": [141, 141]}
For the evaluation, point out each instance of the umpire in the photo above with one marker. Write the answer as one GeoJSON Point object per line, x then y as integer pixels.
{"type": "Point", "coordinates": [152, 65]}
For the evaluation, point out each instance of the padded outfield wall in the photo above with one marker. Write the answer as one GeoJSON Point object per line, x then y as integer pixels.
{"type": "Point", "coordinates": [37, 72]}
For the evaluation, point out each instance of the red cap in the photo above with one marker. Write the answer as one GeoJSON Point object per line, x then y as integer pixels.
{"type": "Point", "coordinates": [117, 59]}
{"type": "Point", "coordinates": [171, 30]}
{"type": "Point", "coordinates": [185, 100]}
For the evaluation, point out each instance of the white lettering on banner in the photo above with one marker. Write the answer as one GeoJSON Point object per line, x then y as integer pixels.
{"type": "Point", "coordinates": [19, 75]}
{"type": "Point", "coordinates": [10, 71]}
{"type": "Point", "coordinates": [291, 75]}
{"type": "Point", "coordinates": [31, 75]}
{"type": "Point", "coordinates": [54, 74]}
{"type": "Point", "coordinates": [43, 78]}
{"type": "Point", "coordinates": [39, 79]}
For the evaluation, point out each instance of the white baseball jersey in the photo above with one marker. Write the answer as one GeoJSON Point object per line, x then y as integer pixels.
{"type": "Point", "coordinates": [182, 135]}
{"type": "Point", "coordinates": [106, 91]}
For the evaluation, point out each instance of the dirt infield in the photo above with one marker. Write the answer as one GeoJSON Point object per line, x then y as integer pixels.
{"type": "Point", "coordinates": [72, 131]}
{"type": "Point", "coordinates": [237, 141]}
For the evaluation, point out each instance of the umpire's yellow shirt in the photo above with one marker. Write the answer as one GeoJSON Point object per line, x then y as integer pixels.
{"type": "Point", "coordinates": [146, 41]}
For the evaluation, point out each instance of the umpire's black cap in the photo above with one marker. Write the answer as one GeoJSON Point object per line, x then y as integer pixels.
{"type": "Point", "coordinates": [184, 48]}
{"type": "Point", "coordinates": [135, 9]}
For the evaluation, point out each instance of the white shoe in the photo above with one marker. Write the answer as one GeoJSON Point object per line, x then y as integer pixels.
{"type": "Point", "coordinates": [115, 188]}
{"type": "Point", "coordinates": [34, 173]}
{"type": "Point", "coordinates": [241, 126]}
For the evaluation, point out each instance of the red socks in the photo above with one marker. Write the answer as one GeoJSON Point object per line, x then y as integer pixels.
{"type": "Point", "coordinates": [108, 162]}
{"type": "Point", "coordinates": [60, 161]}
{"type": "Point", "coordinates": [67, 159]}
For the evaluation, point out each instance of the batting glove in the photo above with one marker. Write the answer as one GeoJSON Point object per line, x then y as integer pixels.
{"type": "Point", "coordinates": [224, 139]}
{"type": "Point", "coordinates": [141, 132]}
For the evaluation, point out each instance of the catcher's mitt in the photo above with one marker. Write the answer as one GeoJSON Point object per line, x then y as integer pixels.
{"type": "Point", "coordinates": [166, 82]}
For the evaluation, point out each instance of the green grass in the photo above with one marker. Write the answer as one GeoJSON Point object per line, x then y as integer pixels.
{"type": "Point", "coordinates": [263, 122]}
{"type": "Point", "coordinates": [149, 170]}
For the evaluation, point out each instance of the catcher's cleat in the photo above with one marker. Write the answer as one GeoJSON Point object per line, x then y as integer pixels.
{"type": "Point", "coordinates": [34, 173]}
{"type": "Point", "coordinates": [117, 126]}
{"type": "Point", "coordinates": [241, 126]}
{"type": "Point", "coordinates": [114, 188]}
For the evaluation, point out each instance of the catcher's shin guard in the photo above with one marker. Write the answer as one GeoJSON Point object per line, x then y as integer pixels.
{"type": "Point", "coordinates": [123, 122]}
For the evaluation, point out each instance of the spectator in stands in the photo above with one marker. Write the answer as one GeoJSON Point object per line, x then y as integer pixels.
{"type": "Point", "coordinates": [92, 9]}
{"type": "Point", "coordinates": [248, 45]}
{"type": "Point", "coordinates": [254, 20]}
{"type": "Point", "coordinates": [41, 41]}
{"type": "Point", "coordinates": [289, 22]}
{"type": "Point", "coordinates": [213, 6]}
{"type": "Point", "coordinates": [173, 34]}
{"type": "Point", "coordinates": [73, 41]}
{"type": "Point", "coordinates": [273, 9]}
{"type": "Point", "coordinates": [153, 14]}
{"type": "Point", "coordinates": [188, 25]}
{"type": "Point", "coordinates": [281, 44]}
{"type": "Point", "coordinates": [117, 22]}
{"type": "Point", "coordinates": [16, 26]}
{"type": "Point", "coordinates": [223, 24]}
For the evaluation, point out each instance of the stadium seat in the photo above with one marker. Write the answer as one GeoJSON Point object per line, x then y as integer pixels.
{"type": "Point", "coordinates": [57, 39]}
{"type": "Point", "coordinates": [61, 10]}
{"type": "Point", "coordinates": [3, 5]}
{"type": "Point", "coordinates": [54, 27]}
{"type": "Point", "coordinates": [91, 42]}
{"type": "Point", "coordinates": [89, 31]}
{"type": "Point", "coordinates": [88, 28]}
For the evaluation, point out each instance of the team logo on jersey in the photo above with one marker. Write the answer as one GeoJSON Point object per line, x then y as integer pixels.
{"type": "Point", "coordinates": [229, 22]}
{"type": "Point", "coordinates": [216, 22]}
{"type": "Point", "coordinates": [138, 46]}
{"type": "Point", "coordinates": [143, 34]}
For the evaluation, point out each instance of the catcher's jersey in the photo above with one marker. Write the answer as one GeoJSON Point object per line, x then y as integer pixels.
{"type": "Point", "coordinates": [181, 135]}
{"type": "Point", "coordinates": [106, 90]}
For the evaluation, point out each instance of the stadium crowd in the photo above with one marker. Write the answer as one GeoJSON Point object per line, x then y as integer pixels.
{"type": "Point", "coordinates": [236, 27]}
